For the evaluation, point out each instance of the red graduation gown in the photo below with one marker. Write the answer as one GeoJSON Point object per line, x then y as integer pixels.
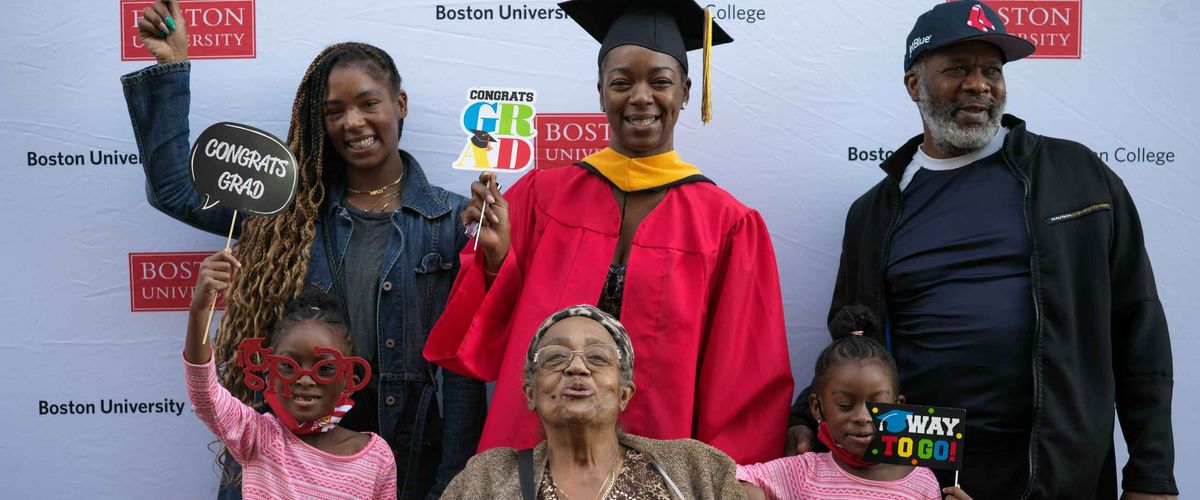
{"type": "Point", "coordinates": [701, 305]}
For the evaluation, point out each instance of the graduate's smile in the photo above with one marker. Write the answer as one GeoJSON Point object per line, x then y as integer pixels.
{"type": "Point", "coordinates": [641, 123]}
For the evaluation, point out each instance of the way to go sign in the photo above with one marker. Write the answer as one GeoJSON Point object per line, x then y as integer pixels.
{"type": "Point", "coordinates": [926, 436]}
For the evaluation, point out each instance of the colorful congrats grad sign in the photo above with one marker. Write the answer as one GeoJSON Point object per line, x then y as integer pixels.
{"type": "Point", "coordinates": [499, 124]}
{"type": "Point", "coordinates": [243, 168]}
{"type": "Point", "coordinates": [927, 436]}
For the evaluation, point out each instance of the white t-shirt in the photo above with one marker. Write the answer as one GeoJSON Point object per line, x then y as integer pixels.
{"type": "Point", "coordinates": [922, 160]}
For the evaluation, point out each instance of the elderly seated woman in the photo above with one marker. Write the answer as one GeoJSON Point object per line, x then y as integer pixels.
{"type": "Point", "coordinates": [578, 378]}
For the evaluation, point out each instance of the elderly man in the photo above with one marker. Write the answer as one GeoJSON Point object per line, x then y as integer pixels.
{"type": "Point", "coordinates": [1012, 277]}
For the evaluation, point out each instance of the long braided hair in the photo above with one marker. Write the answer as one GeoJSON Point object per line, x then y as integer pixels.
{"type": "Point", "coordinates": [275, 251]}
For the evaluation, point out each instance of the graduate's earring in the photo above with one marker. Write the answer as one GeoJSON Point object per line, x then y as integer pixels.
{"type": "Point", "coordinates": [684, 105]}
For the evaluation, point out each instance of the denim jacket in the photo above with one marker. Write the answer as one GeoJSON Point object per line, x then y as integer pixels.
{"type": "Point", "coordinates": [418, 269]}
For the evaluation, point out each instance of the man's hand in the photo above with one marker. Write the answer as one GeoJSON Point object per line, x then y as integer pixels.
{"type": "Point", "coordinates": [799, 440]}
{"type": "Point", "coordinates": [162, 30]}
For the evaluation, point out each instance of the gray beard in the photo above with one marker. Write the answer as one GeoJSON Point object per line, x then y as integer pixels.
{"type": "Point", "coordinates": [948, 135]}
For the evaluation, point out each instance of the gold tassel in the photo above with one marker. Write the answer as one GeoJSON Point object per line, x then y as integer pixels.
{"type": "Point", "coordinates": [706, 90]}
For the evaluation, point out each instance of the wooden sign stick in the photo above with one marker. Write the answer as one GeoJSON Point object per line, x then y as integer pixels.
{"type": "Point", "coordinates": [213, 307]}
{"type": "Point", "coordinates": [482, 214]}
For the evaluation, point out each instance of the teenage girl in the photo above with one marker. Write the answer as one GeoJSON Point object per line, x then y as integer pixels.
{"type": "Point", "coordinates": [307, 377]}
{"type": "Point", "coordinates": [852, 371]}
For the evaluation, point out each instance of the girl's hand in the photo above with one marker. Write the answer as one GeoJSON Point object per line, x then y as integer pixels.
{"type": "Point", "coordinates": [214, 276]}
{"type": "Point", "coordinates": [494, 232]}
{"type": "Point", "coordinates": [162, 30]}
{"type": "Point", "coordinates": [955, 493]}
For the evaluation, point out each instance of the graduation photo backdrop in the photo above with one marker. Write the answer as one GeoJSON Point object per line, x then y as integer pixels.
{"type": "Point", "coordinates": [806, 102]}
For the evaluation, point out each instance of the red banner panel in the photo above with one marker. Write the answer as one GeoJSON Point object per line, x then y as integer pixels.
{"type": "Point", "coordinates": [1053, 26]}
{"type": "Point", "coordinates": [164, 281]}
{"type": "Point", "coordinates": [217, 29]}
{"type": "Point", "coordinates": [565, 138]}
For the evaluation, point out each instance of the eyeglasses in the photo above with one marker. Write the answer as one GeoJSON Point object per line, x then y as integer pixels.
{"type": "Point", "coordinates": [556, 358]}
{"type": "Point", "coordinates": [288, 370]}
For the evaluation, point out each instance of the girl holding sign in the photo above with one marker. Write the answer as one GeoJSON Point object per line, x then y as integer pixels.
{"type": "Point", "coordinates": [639, 232]}
{"type": "Point", "coordinates": [367, 227]}
{"type": "Point", "coordinates": [306, 376]}
{"type": "Point", "coordinates": [850, 372]}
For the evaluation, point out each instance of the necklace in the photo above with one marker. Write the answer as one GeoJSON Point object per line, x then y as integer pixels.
{"type": "Point", "coordinates": [610, 479]}
{"type": "Point", "coordinates": [385, 205]}
{"type": "Point", "coordinates": [376, 192]}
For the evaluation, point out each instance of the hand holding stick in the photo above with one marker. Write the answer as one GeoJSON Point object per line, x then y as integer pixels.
{"type": "Point", "coordinates": [215, 276]}
{"type": "Point", "coordinates": [486, 219]}
{"type": "Point", "coordinates": [213, 306]}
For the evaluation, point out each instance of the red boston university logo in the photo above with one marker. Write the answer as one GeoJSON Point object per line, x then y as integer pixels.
{"type": "Point", "coordinates": [217, 29]}
{"type": "Point", "coordinates": [565, 138]}
{"type": "Point", "coordinates": [164, 281]}
{"type": "Point", "coordinates": [1053, 26]}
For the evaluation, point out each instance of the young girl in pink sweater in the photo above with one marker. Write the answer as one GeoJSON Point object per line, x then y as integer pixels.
{"type": "Point", "coordinates": [850, 372]}
{"type": "Point", "coordinates": [299, 451]}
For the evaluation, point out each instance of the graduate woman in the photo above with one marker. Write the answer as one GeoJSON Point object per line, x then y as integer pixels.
{"type": "Point", "coordinates": [644, 235]}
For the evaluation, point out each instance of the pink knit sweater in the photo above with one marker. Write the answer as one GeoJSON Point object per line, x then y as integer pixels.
{"type": "Point", "coordinates": [816, 476]}
{"type": "Point", "coordinates": [276, 463]}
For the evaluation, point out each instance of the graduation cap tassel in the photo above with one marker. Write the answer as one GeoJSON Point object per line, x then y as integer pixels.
{"type": "Point", "coordinates": [706, 91]}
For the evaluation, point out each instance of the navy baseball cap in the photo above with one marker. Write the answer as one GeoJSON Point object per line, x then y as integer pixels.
{"type": "Point", "coordinates": [953, 22]}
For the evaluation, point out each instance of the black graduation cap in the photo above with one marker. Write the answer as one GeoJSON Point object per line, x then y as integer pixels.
{"type": "Point", "coordinates": [671, 27]}
{"type": "Point", "coordinates": [481, 139]}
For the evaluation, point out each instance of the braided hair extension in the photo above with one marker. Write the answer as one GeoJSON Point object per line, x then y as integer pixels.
{"type": "Point", "coordinates": [276, 251]}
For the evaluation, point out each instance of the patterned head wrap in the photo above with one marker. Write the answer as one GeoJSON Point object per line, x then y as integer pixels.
{"type": "Point", "coordinates": [610, 324]}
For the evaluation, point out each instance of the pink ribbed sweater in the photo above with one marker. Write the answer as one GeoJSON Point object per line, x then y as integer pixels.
{"type": "Point", "coordinates": [276, 463]}
{"type": "Point", "coordinates": [816, 476]}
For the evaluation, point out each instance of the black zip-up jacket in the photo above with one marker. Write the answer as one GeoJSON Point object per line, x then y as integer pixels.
{"type": "Point", "coordinates": [1100, 338]}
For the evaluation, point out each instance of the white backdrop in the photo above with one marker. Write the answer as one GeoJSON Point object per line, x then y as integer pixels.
{"type": "Point", "coordinates": [801, 86]}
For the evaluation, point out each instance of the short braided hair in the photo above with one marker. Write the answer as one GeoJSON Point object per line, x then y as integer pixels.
{"type": "Point", "coordinates": [848, 346]}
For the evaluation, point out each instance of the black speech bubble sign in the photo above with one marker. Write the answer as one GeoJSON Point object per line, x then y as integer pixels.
{"type": "Point", "coordinates": [244, 168]}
